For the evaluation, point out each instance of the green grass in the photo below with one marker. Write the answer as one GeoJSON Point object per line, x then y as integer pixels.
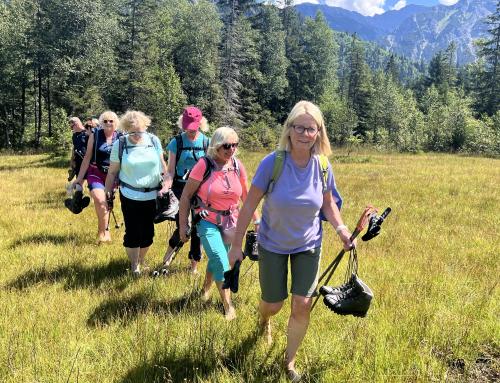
{"type": "Point", "coordinates": [69, 311]}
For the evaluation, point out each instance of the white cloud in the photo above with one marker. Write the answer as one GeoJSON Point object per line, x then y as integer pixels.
{"type": "Point", "coordinates": [365, 7]}
{"type": "Point", "coordinates": [448, 2]}
{"type": "Point", "coordinates": [400, 4]}
{"type": "Point", "coordinates": [296, 2]}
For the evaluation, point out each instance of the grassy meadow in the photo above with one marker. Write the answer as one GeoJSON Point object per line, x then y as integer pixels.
{"type": "Point", "coordinates": [70, 311]}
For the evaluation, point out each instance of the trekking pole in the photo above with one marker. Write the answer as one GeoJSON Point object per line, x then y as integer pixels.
{"type": "Point", "coordinates": [197, 218]}
{"type": "Point", "coordinates": [360, 226]}
{"type": "Point", "coordinates": [117, 226]}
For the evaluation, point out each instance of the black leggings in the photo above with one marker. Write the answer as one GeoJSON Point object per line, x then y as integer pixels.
{"type": "Point", "coordinates": [138, 217]}
{"type": "Point", "coordinates": [195, 247]}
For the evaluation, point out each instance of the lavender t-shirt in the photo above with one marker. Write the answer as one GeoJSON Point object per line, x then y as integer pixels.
{"type": "Point", "coordinates": [290, 215]}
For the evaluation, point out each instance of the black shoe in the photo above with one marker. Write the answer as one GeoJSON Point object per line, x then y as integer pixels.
{"type": "Point", "coordinates": [85, 202]}
{"type": "Point", "coordinates": [328, 290]}
{"type": "Point", "coordinates": [231, 278]}
{"type": "Point", "coordinates": [68, 202]}
{"type": "Point", "coordinates": [354, 301]}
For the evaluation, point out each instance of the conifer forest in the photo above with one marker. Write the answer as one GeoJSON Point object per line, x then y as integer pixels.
{"type": "Point", "coordinates": [245, 63]}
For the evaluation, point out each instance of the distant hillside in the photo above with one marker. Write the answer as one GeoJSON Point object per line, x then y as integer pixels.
{"type": "Point", "coordinates": [415, 31]}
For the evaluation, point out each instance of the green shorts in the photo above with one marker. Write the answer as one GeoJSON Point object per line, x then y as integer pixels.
{"type": "Point", "coordinates": [273, 274]}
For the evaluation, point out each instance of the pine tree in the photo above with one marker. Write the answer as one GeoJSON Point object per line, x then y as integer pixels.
{"type": "Point", "coordinates": [489, 51]}
{"type": "Point", "coordinates": [391, 69]}
{"type": "Point", "coordinates": [232, 57]}
{"type": "Point", "coordinates": [273, 61]}
{"type": "Point", "coordinates": [195, 39]}
{"type": "Point", "coordinates": [358, 87]}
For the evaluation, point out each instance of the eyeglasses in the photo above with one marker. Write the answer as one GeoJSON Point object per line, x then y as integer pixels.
{"type": "Point", "coordinates": [229, 146]}
{"type": "Point", "coordinates": [88, 127]}
{"type": "Point", "coordinates": [136, 133]}
{"type": "Point", "coordinates": [106, 121]}
{"type": "Point", "coordinates": [301, 129]}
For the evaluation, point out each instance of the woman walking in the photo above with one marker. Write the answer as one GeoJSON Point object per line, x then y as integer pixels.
{"type": "Point", "coordinates": [291, 227]}
{"type": "Point", "coordinates": [183, 152]}
{"type": "Point", "coordinates": [219, 182]}
{"type": "Point", "coordinates": [137, 161]}
{"type": "Point", "coordinates": [95, 165]}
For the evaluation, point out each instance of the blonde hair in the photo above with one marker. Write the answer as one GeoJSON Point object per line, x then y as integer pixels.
{"type": "Point", "coordinates": [75, 120]}
{"type": "Point", "coordinates": [134, 119]}
{"type": "Point", "coordinates": [322, 144]}
{"type": "Point", "coordinates": [220, 137]}
{"type": "Point", "coordinates": [203, 124]}
{"type": "Point", "coordinates": [108, 115]}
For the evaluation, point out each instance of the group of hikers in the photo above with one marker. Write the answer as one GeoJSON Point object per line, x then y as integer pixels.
{"type": "Point", "coordinates": [296, 182]}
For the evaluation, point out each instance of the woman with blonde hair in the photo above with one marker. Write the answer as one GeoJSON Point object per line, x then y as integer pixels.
{"type": "Point", "coordinates": [95, 165]}
{"type": "Point", "coordinates": [184, 151]}
{"type": "Point", "coordinates": [219, 182]}
{"type": "Point", "coordinates": [291, 227]}
{"type": "Point", "coordinates": [137, 161]}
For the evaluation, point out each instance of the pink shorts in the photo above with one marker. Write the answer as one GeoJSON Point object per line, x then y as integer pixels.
{"type": "Point", "coordinates": [96, 178]}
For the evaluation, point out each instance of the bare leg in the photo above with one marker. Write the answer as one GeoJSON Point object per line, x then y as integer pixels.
{"type": "Point", "coordinates": [225, 295]}
{"type": "Point", "coordinates": [297, 327]}
{"type": "Point", "coordinates": [266, 311]}
{"type": "Point", "coordinates": [142, 255]}
{"type": "Point", "coordinates": [133, 255]}
{"type": "Point", "coordinates": [194, 267]}
{"type": "Point", "coordinates": [207, 284]}
{"type": "Point", "coordinates": [101, 209]}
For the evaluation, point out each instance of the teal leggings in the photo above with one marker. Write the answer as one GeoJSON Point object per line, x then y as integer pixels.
{"type": "Point", "coordinates": [216, 250]}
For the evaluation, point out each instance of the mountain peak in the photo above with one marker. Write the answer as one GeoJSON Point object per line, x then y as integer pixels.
{"type": "Point", "coordinates": [416, 31]}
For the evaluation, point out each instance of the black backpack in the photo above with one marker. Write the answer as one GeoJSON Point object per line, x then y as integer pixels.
{"type": "Point", "coordinates": [180, 147]}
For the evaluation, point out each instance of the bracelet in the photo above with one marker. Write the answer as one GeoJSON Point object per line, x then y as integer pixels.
{"type": "Point", "coordinates": [340, 228]}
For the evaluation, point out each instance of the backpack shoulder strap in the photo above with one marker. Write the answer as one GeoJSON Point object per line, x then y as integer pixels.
{"type": "Point", "coordinates": [279, 161]}
{"type": "Point", "coordinates": [209, 167]}
{"type": "Point", "coordinates": [122, 144]}
{"type": "Point", "coordinates": [152, 139]}
{"type": "Point", "coordinates": [180, 147]}
{"type": "Point", "coordinates": [323, 162]}
{"type": "Point", "coordinates": [205, 144]}
{"type": "Point", "coordinates": [236, 165]}
{"type": "Point", "coordinates": [96, 141]}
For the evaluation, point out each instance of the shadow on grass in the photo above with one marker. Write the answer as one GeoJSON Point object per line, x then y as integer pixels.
{"type": "Point", "coordinates": [74, 276]}
{"type": "Point", "coordinates": [126, 309]}
{"type": "Point", "coordinates": [54, 239]}
{"type": "Point", "coordinates": [50, 161]}
{"type": "Point", "coordinates": [199, 363]}
{"type": "Point", "coordinates": [50, 200]}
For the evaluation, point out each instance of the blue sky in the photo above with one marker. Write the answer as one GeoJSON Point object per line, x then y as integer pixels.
{"type": "Point", "coordinates": [372, 7]}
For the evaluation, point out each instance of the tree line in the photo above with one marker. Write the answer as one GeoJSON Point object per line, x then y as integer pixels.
{"type": "Point", "coordinates": [245, 64]}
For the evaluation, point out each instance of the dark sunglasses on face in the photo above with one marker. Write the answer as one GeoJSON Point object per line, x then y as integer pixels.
{"type": "Point", "coordinates": [88, 127]}
{"type": "Point", "coordinates": [106, 121]}
{"type": "Point", "coordinates": [229, 146]}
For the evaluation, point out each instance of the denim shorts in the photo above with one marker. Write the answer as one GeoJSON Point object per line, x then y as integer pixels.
{"type": "Point", "coordinates": [273, 274]}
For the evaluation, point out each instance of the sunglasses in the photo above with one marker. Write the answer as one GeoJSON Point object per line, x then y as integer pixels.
{"type": "Point", "coordinates": [229, 146]}
{"type": "Point", "coordinates": [88, 127]}
{"type": "Point", "coordinates": [106, 121]}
